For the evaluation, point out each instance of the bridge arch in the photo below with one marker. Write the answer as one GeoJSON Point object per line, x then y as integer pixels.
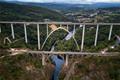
{"type": "Point", "coordinates": [57, 30]}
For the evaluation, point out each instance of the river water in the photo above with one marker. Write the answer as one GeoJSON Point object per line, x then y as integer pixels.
{"type": "Point", "coordinates": [58, 60]}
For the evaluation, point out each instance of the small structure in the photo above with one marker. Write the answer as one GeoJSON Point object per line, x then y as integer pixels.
{"type": "Point", "coordinates": [53, 27]}
{"type": "Point", "coordinates": [18, 49]}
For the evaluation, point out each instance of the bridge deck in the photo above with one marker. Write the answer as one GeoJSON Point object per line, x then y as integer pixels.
{"type": "Point", "coordinates": [77, 53]}
{"type": "Point", "coordinates": [43, 53]}
{"type": "Point", "coordinates": [68, 23]}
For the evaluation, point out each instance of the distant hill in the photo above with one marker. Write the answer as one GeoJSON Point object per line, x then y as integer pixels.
{"type": "Point", "coordinates": [104, 5]}
{"type": "Point", "coordinates": [54, 6]}
{"type": "Point", "coordinates": [19, 12]}
{"type": "Point", "coordinates": [67, 6]}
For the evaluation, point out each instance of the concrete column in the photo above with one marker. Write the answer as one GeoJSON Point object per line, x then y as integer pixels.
{"type": "Point", "coordinates": [12, 29]}
{"type": "Point", "coordinates": [0, 29]}
{"type": "Point", "coordinates": [96, 36]}
{"type": "Point", "coordinates": [60, 25]}
{"type": "Point", "coordinates": [47, 30]}
{"type": "Point", "coordinates": [67, 27]}
{"type": "Point", "coordinates": [66, 60]}
{"type": "Point", "coordinates": [43, 59]}
{"type": "Point", "coordinates": [110, 32]}
{"type": "Point", "coordinates": [74, 26]}
{"type": "Point", "coordinates": [25, 31]}
{"type": "Point", "coordinates": [73, 31]}
{"type": "Point", "coordinates": [38, 34]}
{"type": "Point", "coordinates": [83, 36]}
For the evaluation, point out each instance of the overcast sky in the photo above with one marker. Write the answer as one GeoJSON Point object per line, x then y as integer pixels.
{"type": "Point", "coordinates": [67, 1]}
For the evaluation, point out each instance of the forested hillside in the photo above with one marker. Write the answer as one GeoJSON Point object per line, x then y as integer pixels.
{"type": "Point", "coordinates": [16, 12]}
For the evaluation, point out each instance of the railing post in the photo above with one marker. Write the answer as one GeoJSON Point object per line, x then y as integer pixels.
{"type": "Point", "coordinates": [43, 59]}
{"type": "Point", "coordinates": [66, 60]}
{"type": "Point", "coordinates": [12, 29]}
{"type": "Point", "coordinates": [25, 31]}
{"type": "Point", "coordinates": [96, 36]}
{"type": "Point", "coordinates": [47, 30]}
{"type": "Point", "coordinates": [110, 32]}
{"type": "Point", "coordinates": [83, 36]}
{"type": "Point", "coordinates": [38, 34]}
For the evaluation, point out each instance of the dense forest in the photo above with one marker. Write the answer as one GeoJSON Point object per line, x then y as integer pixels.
{"type": "Point", "coordinates": [15, 12]}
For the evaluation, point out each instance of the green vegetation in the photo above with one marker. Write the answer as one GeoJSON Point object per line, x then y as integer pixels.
{"type": "Point", "coordinates": [29, 67]}
{"type": "Point", "coordinates": [112, 15]}
{"type": "Point", "coordinates": [9, 9]}
{"type": "Point", "coordinates": [15, 12]}
{"type": "Point", "coordinates": [58, 36]}
{"type": "Point", "coordinates": [19, 67]}
{"type": "Point", "coordinates": [98, 68]}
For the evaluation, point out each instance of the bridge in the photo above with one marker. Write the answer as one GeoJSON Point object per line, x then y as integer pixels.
{"type": "Point", "coordinates": [65, 28]}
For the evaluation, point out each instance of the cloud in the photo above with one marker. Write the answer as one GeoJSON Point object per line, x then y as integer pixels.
{"type": "Point", "coordinates": [106, 0]}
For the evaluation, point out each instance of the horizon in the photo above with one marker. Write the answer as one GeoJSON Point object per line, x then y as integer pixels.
{"type": "Point", "coordinates": [67, 1]}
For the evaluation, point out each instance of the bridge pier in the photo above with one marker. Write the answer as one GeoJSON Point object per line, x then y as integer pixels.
{"type": "Point", "coordinates": [38, 34]}
{"type": "Point", "coordinates": [96, 36]}
{"type": "Point", "coordinates": [83, 36]}
{"type": "Point", "coordinates": [47, 29]}
{"type": "Point", "coordinates": [74, 27]}
{"type": "Point", "coordinates": [110, 32]}
{"type": "Point", "coordinates": [66, 60]}
{"type": "Point", "coordinates": [60, 25]}
{"type": "Point", "coordinates": [0, 29]}
{"type": "Point", "coordinates": [43, 59]}
{"type": "Point", "coordinates": [12, 29]}
{"type": "Point", "coordinates": [25, 31]}
{"type": "Point", "coordinates": [67, 27]}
